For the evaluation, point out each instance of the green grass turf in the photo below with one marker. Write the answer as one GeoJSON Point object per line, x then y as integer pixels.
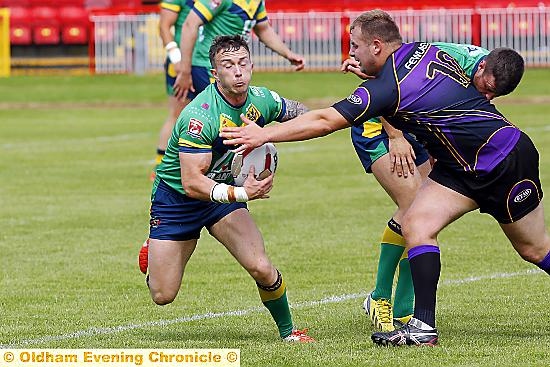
{"type": "Point", "coordinates": [74, 192]}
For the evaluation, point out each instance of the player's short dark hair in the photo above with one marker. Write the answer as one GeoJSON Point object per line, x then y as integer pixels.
{"type": "Point", "coordinates": [378, 24]}
{"type": "Point", "coordinates": [507, 66]}
{"type": "Point", "coordinates": [226, 43]}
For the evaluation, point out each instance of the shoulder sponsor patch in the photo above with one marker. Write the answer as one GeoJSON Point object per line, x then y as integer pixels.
{"type": "Point", "coordinates": [195, 128]}
{"type": "Point", "coordinates": [355, 99]}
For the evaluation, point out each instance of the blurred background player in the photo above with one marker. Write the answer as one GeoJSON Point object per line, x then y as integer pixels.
{"type": "Point", "coordinates": [193, 186]}
{"type": "Point", "coordinates": [210, 18]}
{"type": "Point", "coordinates": [172, 14]}
{"type": "Point", "coordinates": [379, 146]}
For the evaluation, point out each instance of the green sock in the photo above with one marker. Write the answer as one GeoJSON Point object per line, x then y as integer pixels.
{"type": "Point", "coordinates": [403, 303]}
{"type": "Point", "coordinates": [274, 299]}
{"type": "Point", "coordinates": [391, 250]}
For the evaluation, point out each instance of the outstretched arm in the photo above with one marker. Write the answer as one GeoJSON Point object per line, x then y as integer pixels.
{"type": "Point", "coordinates": [310, 125]}
{"type": "Point", "coordinates": [271, 39]}
{"type": "Point", "coordinates": [293, 109]}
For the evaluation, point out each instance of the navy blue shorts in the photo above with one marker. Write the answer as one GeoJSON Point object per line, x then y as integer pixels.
{"type": "Point", "coordinates": [201, 79]}
{"type": "Point", "coordinates": [178, 217]}
{"type": "Point", "coordinates": [371, 142]}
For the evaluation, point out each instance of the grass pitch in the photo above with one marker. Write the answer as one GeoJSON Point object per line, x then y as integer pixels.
{"type": "Point", "coordinates": [76, 154]}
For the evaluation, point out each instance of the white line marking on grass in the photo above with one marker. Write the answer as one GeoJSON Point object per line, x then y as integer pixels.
{"type": "Point", "coordinates": [213, 315]}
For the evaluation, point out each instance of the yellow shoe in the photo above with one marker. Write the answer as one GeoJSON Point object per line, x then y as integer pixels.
{"type": "Point", "coordinates": [380, 312]}
{"type": "Point", "coordinates": [398, 322]}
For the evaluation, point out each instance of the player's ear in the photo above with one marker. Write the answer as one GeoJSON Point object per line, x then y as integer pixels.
{"type": "Point", "coordinates": [214, 73]}
{"type": "Point", "coordinates": [376, 46]}
{"type": "Point", "coordinates": [482, 65]}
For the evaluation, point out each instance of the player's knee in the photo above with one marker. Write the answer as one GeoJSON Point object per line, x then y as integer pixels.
{"type": "Point", "coordinates": [162, 298]}
{"type": "Point", "coordinates": [412, 231]}
{"type": "Point", "coordinates": [530, 253]}
{"type": "Point", "coordinates": [261, 271]}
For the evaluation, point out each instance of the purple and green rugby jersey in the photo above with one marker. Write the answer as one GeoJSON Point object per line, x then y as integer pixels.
{"type": "Point", "coordinates": [422, 90]}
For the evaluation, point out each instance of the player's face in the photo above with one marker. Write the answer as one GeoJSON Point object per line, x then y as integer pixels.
{"type": "Point", "coordinates": [233, 71]}
{"type": "Point", "coordinates": [363, 51]}
{"type": "Point", "coordinates": [484, 82]}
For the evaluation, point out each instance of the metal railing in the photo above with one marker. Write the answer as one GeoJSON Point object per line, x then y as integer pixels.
{"type": "Point", "coordinates": [131, 44]}
{"type": "Point", "coordinates": [525, 30]}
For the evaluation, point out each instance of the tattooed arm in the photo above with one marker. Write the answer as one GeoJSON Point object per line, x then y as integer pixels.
{"type": "Point", "coordinates": [293, 109]}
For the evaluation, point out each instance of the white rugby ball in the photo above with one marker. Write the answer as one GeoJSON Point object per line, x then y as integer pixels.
{"type": "Point", "coordinates": [263, 158]}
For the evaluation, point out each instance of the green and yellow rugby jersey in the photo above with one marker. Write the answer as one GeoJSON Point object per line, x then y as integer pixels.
{"type": "Point", "coordinates": [182, 7]}
{"type": "Point", "coordinates": [467, 56]}
{"type": "Point", "coordinates": [198, 127]}
{"type": "Point", "coordinates": [224, 17]}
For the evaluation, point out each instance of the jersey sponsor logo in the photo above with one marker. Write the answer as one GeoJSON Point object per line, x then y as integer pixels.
{"type": "Point", "coordinates": [195, 128]}
{"type": "Point", "coordinates": [522, 196]}
{"type": "Point", "coordinates": [252, 113]}
{"type": "Point", "coordinates": [355, 99]}
{"type": "Point", "coordinates": [221, 170]}
{"type": "Point", "coordinates": [225, 121]}
{"type": "Point", "coordinates": [205, 106]}
{"type": "Point", "coordinates": [417, 55]}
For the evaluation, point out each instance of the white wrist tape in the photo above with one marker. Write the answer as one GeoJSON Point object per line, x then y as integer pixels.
{"type": "Point", "coordinates": [223, 193]}
{"type": "Point", "coordinates": [170, 45]}
{"type": "Point", "coordinates": [240, 195]}
{"type": "Point", "coordinates": [173, 51]}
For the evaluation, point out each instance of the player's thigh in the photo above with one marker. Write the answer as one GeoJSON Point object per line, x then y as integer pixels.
{"type": "Point", "coordinates": [238, 232]}
{"type": "Point", "coordinates": [402, 189]}
{"type": "Point", "coordinates": [434, 207]}
{"type": "Point", "coordinates": [528, 235]}
{"type": "Point", "coordinates": [424, 170]}
{"type": "Point", "coordinates": [167, 260]}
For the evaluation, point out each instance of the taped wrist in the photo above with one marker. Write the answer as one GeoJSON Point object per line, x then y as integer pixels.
{"type": "Point", "coordinates": [173, 52]}
{"type": "Point", "coordinates": [223, 193]}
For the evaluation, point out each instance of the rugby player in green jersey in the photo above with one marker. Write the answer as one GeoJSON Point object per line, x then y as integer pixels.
{"type": "Point", "coordinates": [379, 146]}
{"type": "Point", "coordinates": [172, 13]}
{"type": "Point", "coordinates": [210, 18]}
{"type": "Point", "coordinates": [193, 186]}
